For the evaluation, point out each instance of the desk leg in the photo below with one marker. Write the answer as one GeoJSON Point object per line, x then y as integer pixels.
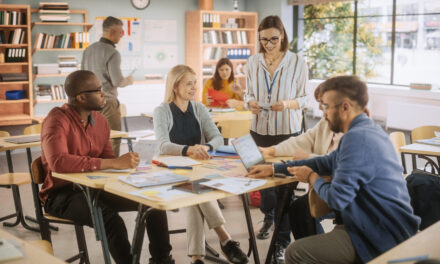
{"type": "Point", "coordinates": [19, 214]}
{"type": "Point", "coordinates": [252, 242]}
{"type": "Point", "coordinates": [282, 209]}
{"type": "Point", "coordinates": [402, 155]}
{"type": "Point", "coordinates": [98, 221]}
{"type": "Point", "coordinates": [139, 232]}
{"type": "Point", "coordinates": [414, 161]}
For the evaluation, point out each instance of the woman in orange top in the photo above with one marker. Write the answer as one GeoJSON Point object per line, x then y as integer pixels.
{"type": "Point", "coordinates": [222, 90]}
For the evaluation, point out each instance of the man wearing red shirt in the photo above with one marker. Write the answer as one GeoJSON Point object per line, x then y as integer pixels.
{"type": "Point", "coordinates": [75, 138]}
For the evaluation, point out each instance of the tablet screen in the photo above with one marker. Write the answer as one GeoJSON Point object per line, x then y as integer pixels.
{"type": "Point", "coordinates": [248, 151]}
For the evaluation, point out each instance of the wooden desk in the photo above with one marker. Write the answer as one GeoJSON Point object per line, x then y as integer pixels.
{"type": "Point", "coordinates": [8, 147]}
{"type": "Point", "coordinates": [423, 151]}
{"type": "Point", "coordinates": [219, 117]}
{"type": "Point", "coordinates": [231, 116]}
{"type": "Point", "coordinates": [33, 254]}
{"type": "Point", "coordinates": [425, 242]}
{"type": "Point", "coordinates": [113, 185]}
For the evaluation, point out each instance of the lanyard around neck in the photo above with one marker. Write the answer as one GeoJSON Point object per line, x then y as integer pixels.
{"type": "Point", "coordinates": [269, 88]}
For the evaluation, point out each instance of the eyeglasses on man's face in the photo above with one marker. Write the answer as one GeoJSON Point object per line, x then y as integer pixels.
{"type": "Point", "coordinates": [325, 107]}
{"type": "Point", "coordinates": [273, 40]}
{"type": "Point", "coordinates": [99, 89]}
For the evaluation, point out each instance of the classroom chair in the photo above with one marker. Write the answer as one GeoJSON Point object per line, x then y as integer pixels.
{"type": "Point", "coordinates": [398, 140]}
{"type": "Point", "coordinates": [425, 132]}
{"type": "Point", "coordinates": [13, 181]}
{"type": "Point", "coordinates": [44, 219]}
{"type": "Point", "coordinates": [32, 129]}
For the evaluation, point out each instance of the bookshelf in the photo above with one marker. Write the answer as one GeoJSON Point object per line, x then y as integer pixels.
{"type": "Point", "coordinates": [209, 37]}
{"type": "Point", "coordinates": [16, 112]}
{"type": "Point", "coordinates": [79, 22]}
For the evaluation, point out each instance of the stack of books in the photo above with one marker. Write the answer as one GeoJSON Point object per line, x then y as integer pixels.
{"type": "Point", "coordinates": [48, 68]}
{"type": "Point", "coordinates": [74, 40]}
{"type": "Point", "coordinates": [225, 37]}
{"type": "Point", "coordinates": [54, 12]}
{"type": "Point", "coordinates": [12, 18]}
{"type": "Point", "coordinates": [13, 77]}
{"type": "Point", "coordinates": [47, 92]}
{"type": "Point", "coordinates": [16, 36]}
{"type": "Point", "coordinates": [67, 63]}
{"type": "Point", "coordinates": [208, 70]}
{"type": "Point", "coordinates": [15, 55]}
{"type": "Point", "coordinates": [43, 92]}
{"type": "Point", "coordinates": [215, 53]}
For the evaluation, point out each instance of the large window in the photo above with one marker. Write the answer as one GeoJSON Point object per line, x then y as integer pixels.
{"type": "Point", "coordinates": [384, 41]}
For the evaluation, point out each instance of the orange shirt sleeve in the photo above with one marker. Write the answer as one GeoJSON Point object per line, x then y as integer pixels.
{"type": "Point", "coordinates": [208, 85]}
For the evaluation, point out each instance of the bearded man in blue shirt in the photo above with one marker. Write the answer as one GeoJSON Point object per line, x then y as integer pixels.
{"type": "Point", "coordinates": [367, 191]}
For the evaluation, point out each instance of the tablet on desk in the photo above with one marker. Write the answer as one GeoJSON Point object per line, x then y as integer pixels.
{"type": "Point", "coordinates": [193, 187]}
{"type": "Point", "coordinates": [248, 151]}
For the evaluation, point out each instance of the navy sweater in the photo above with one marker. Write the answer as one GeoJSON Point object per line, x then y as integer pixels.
{"type": "Point", "coordinates": [367, 190]}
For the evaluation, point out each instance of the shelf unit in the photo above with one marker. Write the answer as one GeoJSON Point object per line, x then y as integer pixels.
{"type": "Point", "coordinates": [86, 26]}
{"type": "Point", "coordinates": [195, 48]}
{"type": "Point", "coordinates": [17, 112]}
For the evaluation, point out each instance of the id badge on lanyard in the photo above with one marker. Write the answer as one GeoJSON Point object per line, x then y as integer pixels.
{"type": "Point", "coordinates": [269, 88]}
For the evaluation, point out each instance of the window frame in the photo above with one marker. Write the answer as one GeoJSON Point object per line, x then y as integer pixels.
{"type": "Point", "coordinates": [394, 15]}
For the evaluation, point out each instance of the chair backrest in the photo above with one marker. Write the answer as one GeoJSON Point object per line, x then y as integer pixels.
{"type": "Point", "coordinates": [37, 171]}
{"type": "Point", "coordinates": [32, 129]}
{"type": "Point", "coordinates": [4, 134]}
{"type": "Point", "coordinates": [423, 132]}
{"type": "Point", "coordinates": [398, 140]}
{"type": "Point", "coordinates": [123, 110]}
{"type": "Point", "coordinates": [235, 128]}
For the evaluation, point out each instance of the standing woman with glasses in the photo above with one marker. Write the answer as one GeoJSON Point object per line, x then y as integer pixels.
{"type": "Point", "coordinates": [275, 93]}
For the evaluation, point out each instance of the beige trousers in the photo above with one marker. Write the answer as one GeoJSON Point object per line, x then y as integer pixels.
{"type": "Point", "coordinates": [195, 225]}
{"type": "Point", "coordinates": [332, 247]}
{"type": "Point", "coordinates": [113, 115]}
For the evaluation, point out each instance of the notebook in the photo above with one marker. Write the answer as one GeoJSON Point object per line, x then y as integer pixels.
{"type": "Point", "coordinates": [430, 141]}
{"type": "Point", "coordinates": [23, 140]}
{"type": "Point", "coordinates": [142, 179]}
{"type": "Point", "coordinates": [248, 151]}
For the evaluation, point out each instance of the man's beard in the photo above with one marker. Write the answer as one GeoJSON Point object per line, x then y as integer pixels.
{"type": "Point", "coordinates": [336, 124]}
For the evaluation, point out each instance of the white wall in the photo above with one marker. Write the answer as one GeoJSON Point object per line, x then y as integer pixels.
{"type": "Point", "coordinates": [398, 107]}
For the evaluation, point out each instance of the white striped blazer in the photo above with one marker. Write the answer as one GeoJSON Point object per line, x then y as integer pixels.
{"type": "Point", "coordinates": [290, 79]}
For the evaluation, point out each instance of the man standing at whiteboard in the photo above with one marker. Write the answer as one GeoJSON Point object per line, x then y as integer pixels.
{"type": "Point", "coordinates": [104, 61]}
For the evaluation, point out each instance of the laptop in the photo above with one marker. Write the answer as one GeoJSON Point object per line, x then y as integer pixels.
{"type": "Point", "coordinates": [248, 151]}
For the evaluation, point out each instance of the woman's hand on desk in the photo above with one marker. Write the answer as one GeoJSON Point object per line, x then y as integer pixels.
{"type": "Point", "coordinates": [254, 107]}
{"type": "Point", "coordinates": [198, 152]}
{"type": "Point", "coordinates": [260, 171]}
{"type": "Point", "coordinates": [127, 161]}
{"type": "Point", "coordinates": [267, 152]}
{"type": "Point", "coordinates": [300, 154]}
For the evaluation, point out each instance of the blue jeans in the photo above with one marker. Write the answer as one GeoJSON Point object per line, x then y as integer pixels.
{"type": "Point", "coordinates": [268, 205]}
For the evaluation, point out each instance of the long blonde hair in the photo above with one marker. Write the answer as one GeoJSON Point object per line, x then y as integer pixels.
{"type": "Point", "coordinates": [174, 76]}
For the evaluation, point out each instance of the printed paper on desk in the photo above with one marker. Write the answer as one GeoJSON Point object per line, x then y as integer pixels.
{"type": "Point", "coordinates": [10, 249]}
{"type": "Point", "coordinates": [141, 133]}
{"type": "Point", "coordinates": [165, 193]}
{"type": "Point", "coordinates": [178, 161]}
{"type": "Point", "coordinates": [147, 149]}
{"type": "Point", "coordinates": [142, 179]}
{"type": "Point", "coordinates": [234, 185]}
{"type": "Point", "coordinates": [116, 170]}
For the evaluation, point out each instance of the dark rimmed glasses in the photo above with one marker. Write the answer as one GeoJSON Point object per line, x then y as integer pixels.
{"type": "Point", "coordinates": [273, 40]}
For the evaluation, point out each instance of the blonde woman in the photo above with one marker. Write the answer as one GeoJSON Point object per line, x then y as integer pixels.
{"type": "Point", "coordinates": [185, 128]}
